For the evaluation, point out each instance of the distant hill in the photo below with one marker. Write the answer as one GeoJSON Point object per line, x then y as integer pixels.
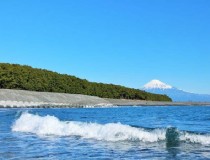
{"type": "Point", "coordinates": [14, 76]}
{"type": "Point", "coordinates": [177, 95]}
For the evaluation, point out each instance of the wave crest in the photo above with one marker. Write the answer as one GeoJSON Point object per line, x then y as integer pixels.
{"type": "Point", "coordinates": [50, 125]}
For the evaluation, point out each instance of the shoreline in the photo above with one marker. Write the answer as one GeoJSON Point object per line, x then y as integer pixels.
{"type": "Point", "coordinates": [10, 98]}
{"type": "Point", "coordinates": [125, 102]}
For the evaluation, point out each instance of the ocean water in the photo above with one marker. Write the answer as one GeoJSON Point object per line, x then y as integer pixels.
{"type": "Point", "coordinates": [106, 133]}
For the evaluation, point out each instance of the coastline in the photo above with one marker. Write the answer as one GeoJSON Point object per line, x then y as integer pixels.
{"type": "Point", "coordinates": [10, 98]}
{"type": "Point", "coordinates": [125, 102]}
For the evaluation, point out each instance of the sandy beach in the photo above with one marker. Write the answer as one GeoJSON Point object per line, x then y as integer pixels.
{"type": "Point", "coordinates": [20, 98]}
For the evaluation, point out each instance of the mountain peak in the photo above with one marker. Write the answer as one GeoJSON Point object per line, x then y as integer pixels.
{"type": "Point", "coordinates": [156, 84]}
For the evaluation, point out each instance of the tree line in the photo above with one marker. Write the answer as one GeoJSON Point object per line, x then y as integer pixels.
{"type": "Point", "coordinates": [15, 76]}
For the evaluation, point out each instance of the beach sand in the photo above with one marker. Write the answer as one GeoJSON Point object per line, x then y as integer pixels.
{"type": "Point", "coordinates": [21, 98]}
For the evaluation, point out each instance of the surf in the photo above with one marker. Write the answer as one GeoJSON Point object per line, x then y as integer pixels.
{"type": "Point", "coordinates": [52, 126]}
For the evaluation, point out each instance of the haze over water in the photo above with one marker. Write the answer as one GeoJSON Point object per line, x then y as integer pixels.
{"type": "Point", "coordinates": [106, 133]}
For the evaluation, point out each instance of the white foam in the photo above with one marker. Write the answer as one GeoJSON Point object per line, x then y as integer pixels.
{"type": "Point", "coordinates": [101, 105]}
{"type": "Point", "coordinates": [50, 125]}
{"type": "Point", "coordinates": [195, 138]}
{"type": "Point", "coordinates": [20, 104]}
{"type": "Point", "coordinates": [12, 104]}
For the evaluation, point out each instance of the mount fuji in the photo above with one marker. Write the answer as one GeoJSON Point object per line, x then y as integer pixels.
{"type": "Point", "coordinates": [177, 95]}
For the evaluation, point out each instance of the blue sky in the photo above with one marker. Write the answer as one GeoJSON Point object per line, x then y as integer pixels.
{"type": "Point", "coordinates": [126, 42]}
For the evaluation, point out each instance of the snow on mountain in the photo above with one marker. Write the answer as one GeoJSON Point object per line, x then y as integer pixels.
{"type": "Point", "coordinates": [157, 84]}
{"type": "Point", "coordinates": [158, 87]}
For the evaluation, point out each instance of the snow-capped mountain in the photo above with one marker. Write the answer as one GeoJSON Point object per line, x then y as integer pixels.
{"type": "Point", "coordinates": [156, 86]}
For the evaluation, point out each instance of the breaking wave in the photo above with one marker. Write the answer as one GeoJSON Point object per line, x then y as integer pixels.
{"type": "Point", "coordinates": [50, 125]}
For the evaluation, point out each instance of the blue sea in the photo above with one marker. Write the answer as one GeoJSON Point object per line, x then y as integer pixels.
{"type": "Point", "coordinates": [168, 132]}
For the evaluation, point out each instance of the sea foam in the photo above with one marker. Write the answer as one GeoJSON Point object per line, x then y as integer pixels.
{"type": "Point", "coordinates": [50, 125]}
